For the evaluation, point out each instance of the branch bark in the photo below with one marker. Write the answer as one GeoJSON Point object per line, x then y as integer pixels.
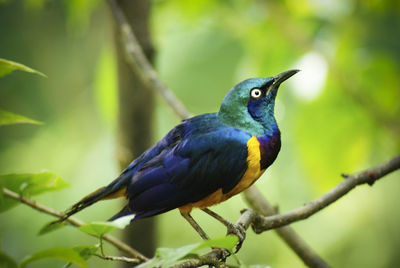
{"type": "Point", "coordinates": [74, 222]}
{"type": "Point", "coordinates": [256, 201]}
{"type": "Point", "coordinates": [215, 256]}
{"type": "Point", "coordinates": [369, 176]}
{"type": "Point", "coordinates": [136, 106]}
{"type": "Point", "coordinates": [139, 63]}
{"type": "Point", "coordinates": [117, 258]}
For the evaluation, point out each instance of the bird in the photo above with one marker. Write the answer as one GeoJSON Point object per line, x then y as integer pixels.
{"type": "Point", "coordinates": [204, 160]}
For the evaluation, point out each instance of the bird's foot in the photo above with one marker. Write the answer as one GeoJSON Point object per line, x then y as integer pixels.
{"type": "Point", "coordinates": [218, 254]}
{"type": "Point", "coordinates": [233, 229]}
{"type": "Point", "coordinates": [239, 231]}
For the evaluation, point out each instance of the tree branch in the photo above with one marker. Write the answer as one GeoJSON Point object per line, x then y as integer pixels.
{"type": "Point", "coordinates": [261, 224]}
{"type": "Point", "coordinates": [212, 259]}
{"type": "Point", "coordinates": [135, 114]}
{"type": "Point", "coordinates": [73, 221]}
{"type": "Point", "coordinates": [256, 201]}
{"type": "Point", "coordinates": [121, 259]}
{"type": "Point", "coordinates": [369, 176]}
{"type": "Point", "coordinates": [140, 64]}
{"type": "Point", "coordinates": [215, 256]}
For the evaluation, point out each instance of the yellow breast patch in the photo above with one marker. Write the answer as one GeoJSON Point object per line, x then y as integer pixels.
{"type": "Point", "coordinates": [252, 173]}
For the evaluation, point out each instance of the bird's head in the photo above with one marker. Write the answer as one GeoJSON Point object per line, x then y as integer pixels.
{"type": "Point", "coordinates": [250, 104]}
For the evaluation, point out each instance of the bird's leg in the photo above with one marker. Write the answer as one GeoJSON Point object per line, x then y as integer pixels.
{"type": "Point", "coordinates": [235, 229]}
{"type": "Point", "coordinates": [194, 224]}
{"type": "Point", "coordinates": [224, 253]}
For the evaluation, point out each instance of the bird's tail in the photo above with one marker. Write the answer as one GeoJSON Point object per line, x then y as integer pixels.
{"type": "Point", "coordinates": [115, 189]}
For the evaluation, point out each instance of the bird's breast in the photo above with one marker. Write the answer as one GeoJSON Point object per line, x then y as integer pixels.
{"type": "Point", "coordinates": [261, 152]}
{"type": "Point", "coordinates": [254, 167]}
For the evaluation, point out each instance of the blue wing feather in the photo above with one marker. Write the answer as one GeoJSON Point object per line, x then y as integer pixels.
{"type": "Point", "coordinates": [195, 159]}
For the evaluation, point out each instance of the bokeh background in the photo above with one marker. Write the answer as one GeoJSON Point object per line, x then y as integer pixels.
{"type": "Point", "coordinates": [340, 114]}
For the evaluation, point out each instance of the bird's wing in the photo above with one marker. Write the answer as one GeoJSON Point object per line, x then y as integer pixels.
{"type": "Point", "coordinates": [169, 141]}
{"type": "Point", "coordinates": [199, 163]}
{"type": "Point", "coordinates": [117, 188]}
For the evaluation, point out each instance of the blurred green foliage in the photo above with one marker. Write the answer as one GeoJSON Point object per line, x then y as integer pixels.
{"type": "Point", "coordinates": [66, 254]}
{"type": "Point", "coordinates": [7, 66]}
{"type": "Point", "coordinates": [29, 185]}
{"type": "Point", "coordinates": [101, 228]}
{"type": "Point", "coordinates": [340, 114]}
{"type": "Point", "coordinates": [6, 117]}
{"type": "Point", "coordinates": [9, 118]}
{"type": "Point", "coordinates": [168, 257]}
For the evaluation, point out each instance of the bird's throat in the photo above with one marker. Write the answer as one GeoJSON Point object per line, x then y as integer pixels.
{"type": "Point", "coordinates": [269, 148]}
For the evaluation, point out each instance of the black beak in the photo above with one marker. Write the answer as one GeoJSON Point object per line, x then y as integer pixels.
{"type": "Point", "coordinates": [278, 79]}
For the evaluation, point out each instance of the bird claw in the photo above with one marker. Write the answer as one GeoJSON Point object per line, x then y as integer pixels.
{"type": "Point", "coordinates": [239, 231]}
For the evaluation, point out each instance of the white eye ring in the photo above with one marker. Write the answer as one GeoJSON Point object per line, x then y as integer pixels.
{"type": "Point", "coordinates": [256, 93]}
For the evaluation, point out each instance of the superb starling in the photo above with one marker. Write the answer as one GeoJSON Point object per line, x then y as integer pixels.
{"type": "Point", "coordinates": [205, 159]}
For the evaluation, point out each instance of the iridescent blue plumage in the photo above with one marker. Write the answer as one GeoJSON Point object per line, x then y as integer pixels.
{"type": "Point", "coordinates": [192, 161]}
{"type": "Point", "coordinates": [205, 159]}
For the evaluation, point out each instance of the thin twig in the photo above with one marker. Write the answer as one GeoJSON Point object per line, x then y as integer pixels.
{"type": "Point", "coordinates": [73, 221]}
{"type": "Point", "coordinates": [140, 64]}
{"type": "Point", "coordinates": [118, 258]}
{"type": "Point", "coordinates": [369, 176]}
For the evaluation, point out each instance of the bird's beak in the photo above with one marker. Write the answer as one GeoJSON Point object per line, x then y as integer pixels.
{"type": "Point", "coordinates": [278, 79]}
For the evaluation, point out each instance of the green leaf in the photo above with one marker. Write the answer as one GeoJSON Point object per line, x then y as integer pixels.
{"type": "Point", "coordinates": [96, 229]}
{"type": "Point", "coordinates": [51, 226]}
{"type": "Point", "coordinates": [86, 251]}
{"type": "Point", "coordinates": [29, 184]}
{"type": "Point", "coordinates": [226, 242]}
{"type": "Point", "coordinates": [65, 254]}
{"type": "Point", "coordinates": [7, 66]}
{"type": "Point", "coordinates": [9, 118]}
{"type": "Point", "coordinates": [6, 261]}
{"type": "Point", "coordinates": [175, 254]}
{"type": "Point", "coordinates": [166, 257]}
{"type": "Point", "coordinates": [99, 228]}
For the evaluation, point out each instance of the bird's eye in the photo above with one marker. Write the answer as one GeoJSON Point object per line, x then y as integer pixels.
{"type": "Point", "coordinates": [256, 93]}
